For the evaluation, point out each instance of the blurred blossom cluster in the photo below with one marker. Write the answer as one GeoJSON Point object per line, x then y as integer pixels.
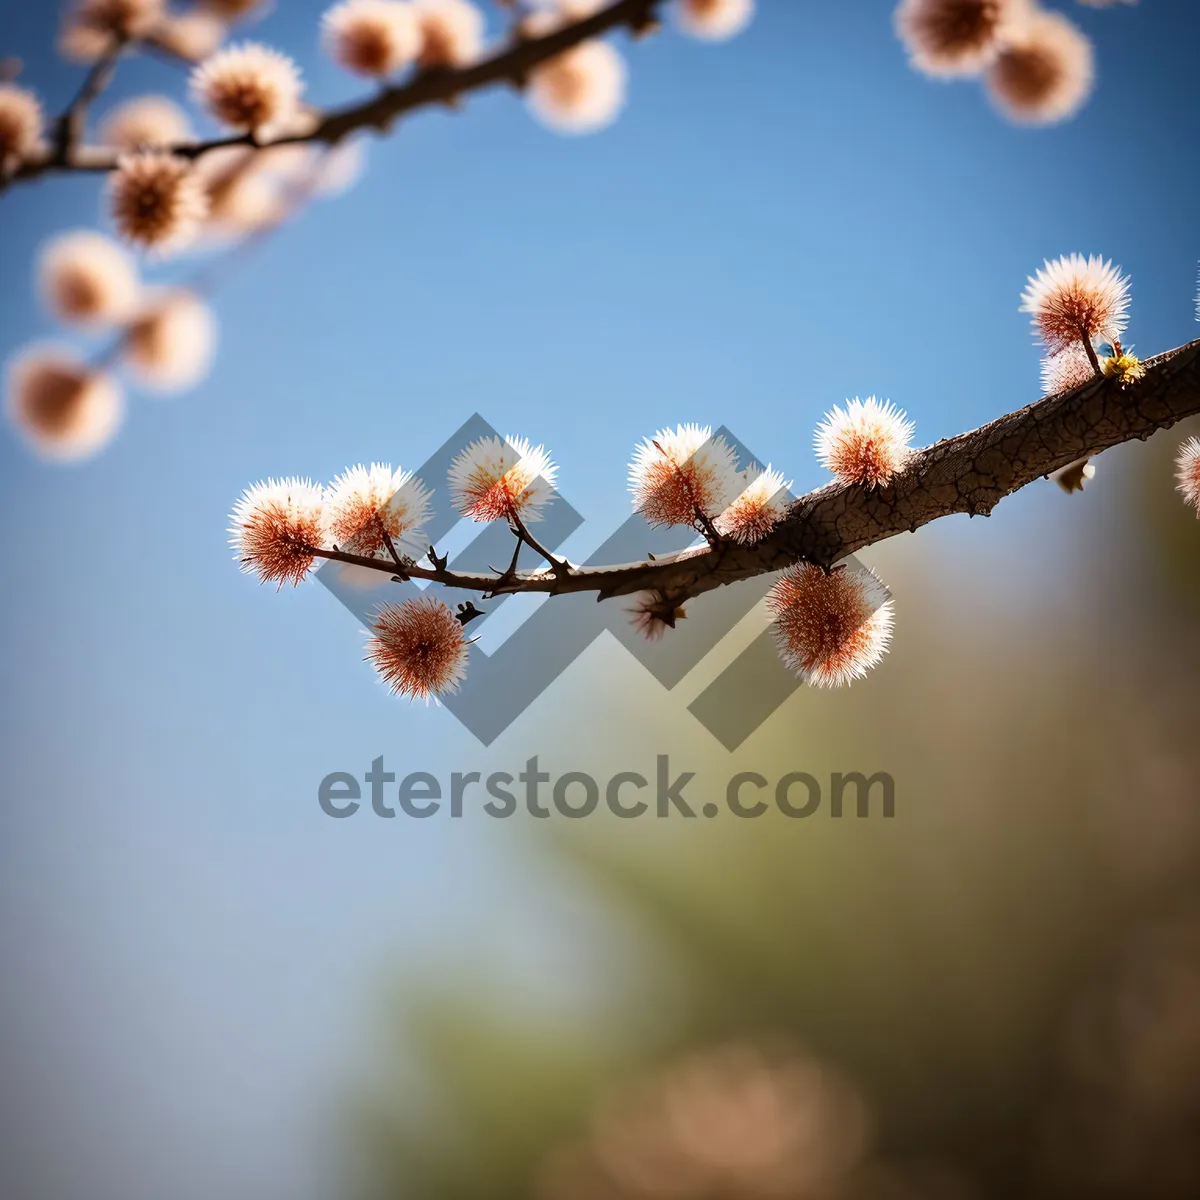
{"type": "Point", "coordinates": [170, 192]}
{"type": "Point", "coordinates": [1037, 65]}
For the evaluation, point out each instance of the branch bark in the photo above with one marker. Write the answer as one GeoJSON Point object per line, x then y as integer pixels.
{"type": "Point", "coordinates": [511, 65]}
{"type": "Point", "coordinates": [970, 473]}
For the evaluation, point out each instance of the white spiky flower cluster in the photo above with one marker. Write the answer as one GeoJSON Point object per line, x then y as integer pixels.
{"type": "Point", "coordinates": [274, 528]}
{"type": "Point", "coordinates": [831, 627]}
{"type": "Point", "coordinates": [762, 500]}
{"type": "Point", "coordinates": [1073, 300]}
{"type": "Point", "coordinates": [496, 479]}
{"type": "Point", "coordinates": [418, 648]}
{"type": "Point", "coordinates": [866, 442]}
{"type": "Point", "coordinates": [366, 507]}
{"type": "Point", "coordinates": [1066, 370]}
{"type": "Point", "coordinates": [682, 474]}
{"type": "Point", "coordinates": [1187, 472]}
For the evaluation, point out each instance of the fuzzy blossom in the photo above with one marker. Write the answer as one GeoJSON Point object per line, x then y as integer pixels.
{"type": "Point", "coordinates": [248, 86]}
{"type": "Point", "coordinates": [580, 90]}
{"type": "Point", "coordinates": [276, 526]}
{"type": "Point", "coordinates": [451, 32]}
{"type": "Point", "coordinates": [761, 503]}
{"type": "Point", "coordinates": [498, 479]}
{"type": "Point", "coordinates": [830, 628]}
{"type": "Point", "coordinates": [865, 443]}
{"type": "Point", "coordinates": [191, 36]}
{"type": "Point", "coordinates": [64, 409]}
{"type": "Point", "coordinates": [232, 10]}
{"type": "Point", "coordinates": [1066, 369]}
{"type": "Point", "coordinates": [366, 507]}
{"type": "Point", "coordinates": [714, 20]}
{"type": "Point", "coordinates": [146, 121]}
{"type": "Point", "coordinates": [169, 347]}
{"type": "Point", "coordinates": [652, 614]}
{"type": "Point", "coordinates": [21, 123]}
{"type": "Point", "coordinates": [1074, 476]}
{"type": "Point", "coordinates": [375, 38]}
{"type": "Point", "coordinates": [156, 201]}
{"type": "Point", "coordinates": [243, 194]}
{"type": "Point", "coordinates": [418, 648]}
{"type": "Point", "coordinates": [96, 24]}
{"type": "Point", "coordinates": [954, 38]}
{"type": "Point", "coordinates": [1075, 299]}
{"type": "Point", "coordinates": [680, 473]}
{"type": "Point", "coordinates": [1187, 471]}
{"type": "Point", "coordinates": [85, 278]}
{"type": "Point", "coordinates": [1124, 366]}
{"type": "Point", "coordinates": [1046, 74]}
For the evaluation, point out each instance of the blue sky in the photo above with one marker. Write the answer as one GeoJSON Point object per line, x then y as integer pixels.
{"type": "Point", "coordinates": [773, 225]}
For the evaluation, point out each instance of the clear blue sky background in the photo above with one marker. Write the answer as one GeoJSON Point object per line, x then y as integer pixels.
{"type": "Point", "coordinates": [775, 224]}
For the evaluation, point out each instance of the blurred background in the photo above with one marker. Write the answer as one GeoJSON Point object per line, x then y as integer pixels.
{"type": "Point", "coordinates": [212, 988]}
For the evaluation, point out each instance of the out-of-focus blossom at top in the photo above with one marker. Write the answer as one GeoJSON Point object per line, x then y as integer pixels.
{"type": "Point", "coordinates": [956, 38]}
{"type": "Point", "coordinates": [714, 20]}
{"type": "Point", "coordinates": [452, 32]}
{"type": "Point", "coordinates": [374, 38]}
{"type": "Point", "coordinates": [1045, 75]}
{"type": "Point", "coordinates": [249, 87]}
{"type": "Point", "coordinates": [581, 90]}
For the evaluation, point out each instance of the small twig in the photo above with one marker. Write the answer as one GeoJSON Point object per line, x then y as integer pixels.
{"type": "Point", "coordinates": [512, 64]}
{"type": "Point", "coordinates": [559, 566]}
{"type": "Point", "coordinates": [1091, 352]}
{"type": "Point", "coordinates": [72, 124]}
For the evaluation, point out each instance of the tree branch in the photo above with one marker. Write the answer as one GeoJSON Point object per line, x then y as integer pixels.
{"type": "Point", "coordinates": [510, 65]}
{"type": "Point", "coordinates": [970, 473]}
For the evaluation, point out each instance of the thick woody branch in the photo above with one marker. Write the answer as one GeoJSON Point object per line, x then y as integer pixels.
{"type": "Point", "coordinates": [970, 473]}
{"type": "Point", "coordinates": [441, 86]}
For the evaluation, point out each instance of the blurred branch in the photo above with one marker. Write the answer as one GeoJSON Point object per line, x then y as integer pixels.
{"type": "Point", "coordinates": [970, 473]}
{"type": "Point", "coordinates": [511, 65]}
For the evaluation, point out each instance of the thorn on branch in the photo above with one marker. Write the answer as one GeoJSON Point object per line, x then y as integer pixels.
{"type": "Point", "coordinates": [439, 560]}
{"type": "Point", "coordinates": [467, 613]}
